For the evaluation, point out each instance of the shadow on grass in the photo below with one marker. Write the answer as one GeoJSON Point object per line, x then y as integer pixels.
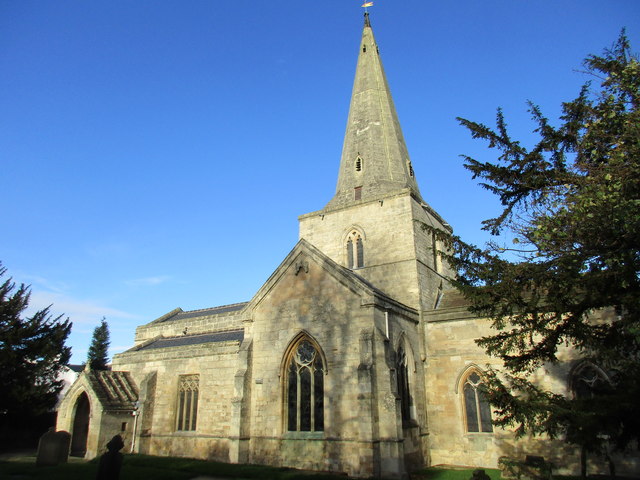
{"type": "Point", "coordinates": [137, 467]}
{"type": "Point", "coordinates": [451, 473]}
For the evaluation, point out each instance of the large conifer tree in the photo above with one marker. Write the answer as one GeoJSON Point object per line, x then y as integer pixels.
{"type": "Point", "coordinates": [32, 354]}
{"type": "Point", "coordinates": [98, 356]}
{"type": "Point", "coordinates": [572, 207]}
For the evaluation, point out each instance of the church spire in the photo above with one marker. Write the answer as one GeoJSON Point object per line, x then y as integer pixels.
{"type": "Point", "coordinates": [375, 162]}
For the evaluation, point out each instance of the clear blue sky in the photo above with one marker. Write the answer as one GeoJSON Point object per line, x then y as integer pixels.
{"type": "Point", "coordinates": [156, 154]}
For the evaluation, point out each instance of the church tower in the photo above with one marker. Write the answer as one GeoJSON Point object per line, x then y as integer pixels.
{"type": "Point", "coordinates": [374, 222]}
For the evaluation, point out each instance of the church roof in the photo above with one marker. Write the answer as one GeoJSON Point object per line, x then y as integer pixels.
{"type": "Point", "coordinates": [179, 314]}
{"type": "Point", "coordinates": [451, 307]}
{"type": "Point", "coordinates": [452, 298]}
{"type": "Point", "coordinates": [188, 340]}
{"type": "Point", "coordinates": [375, 160]}
{"type": "Point", "coordinates": [115, 390]}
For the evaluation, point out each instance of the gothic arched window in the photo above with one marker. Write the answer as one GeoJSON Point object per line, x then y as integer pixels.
{"type": "Point", "coordinates": [588, 381]}
{"type": "Point", "coordinates": [403, 385]}
{"type": "Point", "coordinates": [355, 250]}
{"type": "Point", "coordinates": [305, 389]}
{"type": "Point", "coordinates": [476, 406]}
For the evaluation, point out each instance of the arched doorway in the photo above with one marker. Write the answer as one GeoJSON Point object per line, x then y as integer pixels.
{"type": "Point", "coordinates": [80, 426]}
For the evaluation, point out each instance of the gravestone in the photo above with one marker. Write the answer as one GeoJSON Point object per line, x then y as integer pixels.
{"type": "Point", "coordinates": [53, 448]}
{"type": "Point", "coordinates": [64, 442]}
{"type": "Point", "coordinates": [479, 474]}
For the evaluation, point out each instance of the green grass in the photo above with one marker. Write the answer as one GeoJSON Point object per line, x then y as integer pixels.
{"type": "Point", "coordinates": [145, 467]}
{"type": "Point", "coordinates": [452, 473]}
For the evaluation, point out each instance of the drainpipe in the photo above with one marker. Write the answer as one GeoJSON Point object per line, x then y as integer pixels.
{"type": "Point", "coordinates": [135, 414]}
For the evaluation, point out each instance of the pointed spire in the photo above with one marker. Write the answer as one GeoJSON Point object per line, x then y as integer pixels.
{"type": "Point", "coordinates": [375, 161]}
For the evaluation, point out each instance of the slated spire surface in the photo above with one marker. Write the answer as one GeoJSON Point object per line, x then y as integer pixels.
{"type": "Point", "coordinates": [375, 162]}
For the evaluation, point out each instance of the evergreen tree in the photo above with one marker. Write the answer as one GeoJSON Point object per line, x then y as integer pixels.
{"type": "Point", "coordinates": [98, 357]}
{"type": "Point", "coordinates": [572, 206]}
{"type": "Point", "coordinates": [32, 354]}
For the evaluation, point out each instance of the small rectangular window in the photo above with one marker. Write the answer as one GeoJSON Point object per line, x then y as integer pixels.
{"type": "Point", "coordinates": [357, 193]}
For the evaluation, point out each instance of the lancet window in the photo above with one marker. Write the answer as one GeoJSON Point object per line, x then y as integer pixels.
{"type": "Point", "coordinates": [188, 389]}
{"type": "Point", "coordinates": [476, 406]}
{"type": "Point", "coordinates": [305, 389]}
{"type": "Point", "coordinates": [435, 247]}
{"type": "Point", "coordinates": [355, 250]}
{"type": "Point", "coordinates": [402, 378]}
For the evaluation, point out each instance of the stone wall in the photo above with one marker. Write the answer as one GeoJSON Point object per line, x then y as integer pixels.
{"type": "Point", "coordinates": [387, 238]}
{"type": "Point", "coordinates": [216, 364]}
{"type": "Point", "coordinates": [201, 324]}
{"type": "Point", "coordinates": [67, 412]}
{"type": "Point", "coordinates": [399, 254]}
{"type": "Point", "coordinates": [451, 351]}
{"type": "Point", "coordinates": [358, 374]}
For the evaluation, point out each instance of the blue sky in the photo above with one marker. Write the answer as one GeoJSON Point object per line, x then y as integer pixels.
{"type": "Point", "coordinates": [156, 154]}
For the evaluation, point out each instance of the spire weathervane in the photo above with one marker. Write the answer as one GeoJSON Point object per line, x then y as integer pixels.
{"type": "Point", "coordinates": [366, 6]}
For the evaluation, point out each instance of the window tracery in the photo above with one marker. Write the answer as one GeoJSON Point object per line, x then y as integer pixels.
{"type": "Point", "coordinates": [588, 381]}
{"type": "Point", "coordinates": [305, 389]}
{"type": "Point", "coordinates": [188, 390]}
{"type": "Point", "coordinates": [476, 406]}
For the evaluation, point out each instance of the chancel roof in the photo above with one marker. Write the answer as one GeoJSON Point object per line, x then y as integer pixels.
{"type": "Point", "coordinates": [179, 314]}
{"type": "Point", "coordinates": [188, 340]}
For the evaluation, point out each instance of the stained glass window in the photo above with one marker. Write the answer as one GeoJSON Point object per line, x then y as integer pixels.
{"type": "Point", "coordinates": [305, 390]}
{"type": "Point", "coordinates": [589, 381]}
{"type": "Point", "coordinates": [477, 409]}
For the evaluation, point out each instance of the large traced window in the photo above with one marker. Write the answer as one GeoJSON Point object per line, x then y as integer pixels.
{"type": "Point", "coordinates": [305, 389]}
{"type": "Point", "coordinates": [188, 387]}
{"type": "Point", "coordinates": [355, 250]}
{"type": "Point", "coordinates": [588, 381]}
{"type": "Point", "coordinates": [476, 406]}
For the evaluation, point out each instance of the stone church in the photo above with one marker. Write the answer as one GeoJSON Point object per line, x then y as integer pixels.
{"type": "Point", "coordinates": [353, 357]}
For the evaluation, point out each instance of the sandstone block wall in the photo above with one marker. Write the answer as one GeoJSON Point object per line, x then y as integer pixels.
{"type": "Point", "coordinates": [216, 365]}
{"type": "Point", "coordinates": [451, 352]}
{"type": "Point", "coordinates": [194, 326]}
{"type": "Point", "coordinates": [358, 373]}
{"type": "Point", "coordinates": [388, 237]}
